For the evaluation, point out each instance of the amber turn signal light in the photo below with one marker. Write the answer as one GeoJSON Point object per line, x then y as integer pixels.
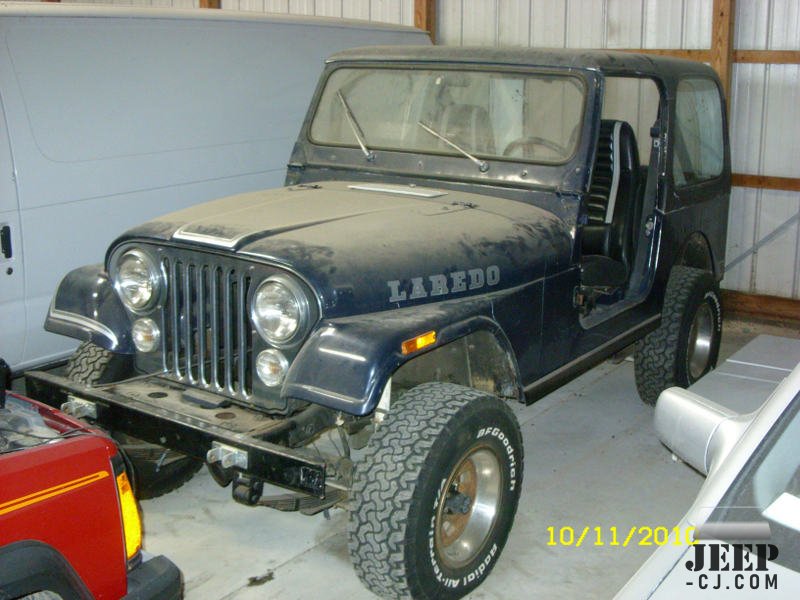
{"type": "Point", "coordinates": [131, 522]}
{"type": "Point", "coordinates": [418, 343]}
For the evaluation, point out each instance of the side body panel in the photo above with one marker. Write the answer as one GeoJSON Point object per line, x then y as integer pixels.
{"type": "Point", "coordinates": [698, 211]}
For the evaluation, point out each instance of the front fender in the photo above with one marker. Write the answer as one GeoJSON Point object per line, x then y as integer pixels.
{"type": "Point", "coordinates": [86, 307]}
{"type": "Point", "coordinates": [346, 362]}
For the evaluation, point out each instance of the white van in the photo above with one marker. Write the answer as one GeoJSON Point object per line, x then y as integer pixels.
{"type": "Point", "coordinates": [112, 116]}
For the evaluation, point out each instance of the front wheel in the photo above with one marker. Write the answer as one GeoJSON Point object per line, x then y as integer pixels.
{"type": "Point", "coordinates": [686, 345]}
{"type": "Point", "coordinates": [435, 497]}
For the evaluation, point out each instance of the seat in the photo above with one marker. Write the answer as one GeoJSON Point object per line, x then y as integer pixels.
{"type": "Point", "coordinates": [468, 126]}
{"type": "Point", "coordinates": [607, 242]}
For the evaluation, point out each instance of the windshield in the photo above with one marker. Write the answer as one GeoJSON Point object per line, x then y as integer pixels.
{"type": "Point", "coordinates": [768, 489]}
{"type": "Point", "coordinates": [510, 116]}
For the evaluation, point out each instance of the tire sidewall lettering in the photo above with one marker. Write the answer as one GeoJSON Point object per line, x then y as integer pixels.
{"type": "Point", "coordinates": [508, 448]}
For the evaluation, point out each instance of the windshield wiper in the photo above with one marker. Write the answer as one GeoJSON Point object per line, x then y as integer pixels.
{"type": "Point", "coordinates": [351, 120]}
{"type": "Point", "coordinates": [482, 164]}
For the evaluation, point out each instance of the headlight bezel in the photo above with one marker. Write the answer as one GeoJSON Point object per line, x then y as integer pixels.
{"type": "Point", "coordinates": [303, 306]}
{"type": "Point", "coordinates": [155, 276]}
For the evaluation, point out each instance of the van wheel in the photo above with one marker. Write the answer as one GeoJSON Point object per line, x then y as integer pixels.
{"type": "Point", "coordinates": [156, 470]}
{"type": "Point", "coordinates": [686, 345]}
{"type": "Point", "coordinates": [435, 496]}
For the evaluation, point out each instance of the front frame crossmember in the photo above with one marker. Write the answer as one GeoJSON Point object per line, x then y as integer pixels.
{"type": "Point", "coordinates": [190, 434]}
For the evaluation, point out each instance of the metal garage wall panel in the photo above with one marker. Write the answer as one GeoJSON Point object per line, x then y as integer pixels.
{"type": "Point", "coordinates": [586, 24]}
{"type": "Point", "coordinates": [747, 116]}
{"type": "Point", "coordinates": [144, 3]}
{"type": "Point", "coordinates": [697, 24]}
{"type": "Point", "coordinates": [785, 29]}
{"type": "Point", "coordinates": [763, 248]}
{"type": "Point", "coordinates": [549, 23]}
{"type": "Point", "coordinates": [765, 128]}
{"type": "Point", "coordinates": [776, 262]}
{"type": "Point", "coordinates": [624, 24]}
{"type": "Point", "coordinates": [752, 24]}
{"type": "Point", "coordinates": [250, 5]}
{"type": "Point", "coordinates": [276, 6]}
{"type": "Point", "coordinates": [781, 146]}
{"type": "Point", "coordinates": [400, 12]}
{"type": "Point", "coordinates": [449, 23]}
{"type": "Point", "coordinates": [576, 23]}
{"type": "Point", "coordinates": [301, 7]}
{"type": "Point", "coordinates": [513, 23]}
{"type": "Point", "coordinates": [328, 8]}
{"type": "Point", "coordinates": [479, 23]}
{"type": "Point", "coordinates": [356, 9]}
{"type": "Point", "coordinates": [741, 237]}
{"type": "Point", "coordinates": [663, 23]}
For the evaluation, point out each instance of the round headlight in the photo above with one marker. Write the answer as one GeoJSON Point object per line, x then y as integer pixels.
{"type": "Point", "coordinates": [271, 366]}
{"type": "Point", "coordinates": [279, 310]}
{"type": "Point", "coordinates": [138, 280]}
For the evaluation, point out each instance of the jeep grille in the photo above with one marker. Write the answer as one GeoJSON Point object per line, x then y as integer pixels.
{"type": "Point", "coordinates": [206, 333]}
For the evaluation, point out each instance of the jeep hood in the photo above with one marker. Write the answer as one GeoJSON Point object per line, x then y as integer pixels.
{"type": "Point", "coordinates": [362, 246]}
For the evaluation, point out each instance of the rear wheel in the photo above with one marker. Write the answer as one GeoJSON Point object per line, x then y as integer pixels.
{"type": "Point", "coordinates": [436, 495]}
{"type": "Point", "coordinates": [156, 469]}
{"type": "Point", "coordinates": [686, 345]}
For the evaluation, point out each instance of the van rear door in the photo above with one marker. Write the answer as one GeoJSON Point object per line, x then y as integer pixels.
{"type": "Point", "coordinates": [12, 289]}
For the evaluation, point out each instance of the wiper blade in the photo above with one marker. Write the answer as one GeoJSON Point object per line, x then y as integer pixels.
{"type": "Point", "coordinates": [482, 164]}
{"type": "Point", "coordinates": [351, 120]}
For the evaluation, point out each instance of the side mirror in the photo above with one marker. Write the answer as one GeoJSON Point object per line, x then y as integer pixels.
{"type": "Point", "coordinates": [698, 431]}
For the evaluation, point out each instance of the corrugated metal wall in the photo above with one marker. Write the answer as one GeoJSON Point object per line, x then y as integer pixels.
{"type": "Point", "coordinates": [153, 3]}
{"type": "Point", "coordinates": [764, 226]}
{"type": "Point", "coordinates": [388, 11]}
{"type": "Point", "coordinates": [576, 23]}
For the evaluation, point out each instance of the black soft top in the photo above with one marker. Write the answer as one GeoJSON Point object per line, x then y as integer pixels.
{"type": "Point", "coordinates": [599, 60]}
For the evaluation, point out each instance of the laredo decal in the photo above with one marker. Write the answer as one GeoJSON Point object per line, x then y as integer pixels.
{"type": "Point", "coordinates": [442, 285]}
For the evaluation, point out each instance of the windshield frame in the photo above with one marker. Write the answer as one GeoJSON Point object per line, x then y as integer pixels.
{"type": "Point", "coordinates": [532, 72]}
{"type": "Point", "coordinates": [570, 175]}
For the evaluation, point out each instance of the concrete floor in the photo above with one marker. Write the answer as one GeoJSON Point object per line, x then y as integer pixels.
{"type": "Point", "coordinates": [591, 459]}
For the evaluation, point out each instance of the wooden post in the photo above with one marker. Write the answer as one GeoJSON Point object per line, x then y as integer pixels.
{"type": "Point", "coordinates": [210, 3]}
{"type": "Point", "coordinates": [722, 42]}
{"type": "Point", "coordinates": [425, 17]}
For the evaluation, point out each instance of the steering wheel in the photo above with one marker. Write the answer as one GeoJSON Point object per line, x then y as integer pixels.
{"type": "Point", "coordinates": [532, 140]}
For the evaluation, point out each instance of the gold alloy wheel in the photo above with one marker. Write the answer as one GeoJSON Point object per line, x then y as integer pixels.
{"type": "Point", "coordinates": [468, 511]}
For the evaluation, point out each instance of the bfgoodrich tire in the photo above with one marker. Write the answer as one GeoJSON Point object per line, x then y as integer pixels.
{"type": "Point", "coordinates": [435, 497]}
{"type": "Point", "coordinates": [156, 470]}
{"type": "Point", "coordinates": [686, 345]}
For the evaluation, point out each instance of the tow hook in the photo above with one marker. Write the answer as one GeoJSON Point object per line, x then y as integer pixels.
{"type": "Point", "coordinates": [227, 456]}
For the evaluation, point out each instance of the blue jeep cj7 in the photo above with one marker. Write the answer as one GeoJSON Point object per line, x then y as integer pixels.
{"type": "Point", "coordinates": [459, 228]}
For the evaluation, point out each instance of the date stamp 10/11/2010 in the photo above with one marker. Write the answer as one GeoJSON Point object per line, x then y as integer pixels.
{"type": "Point", "coordinates": [620, 536]}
